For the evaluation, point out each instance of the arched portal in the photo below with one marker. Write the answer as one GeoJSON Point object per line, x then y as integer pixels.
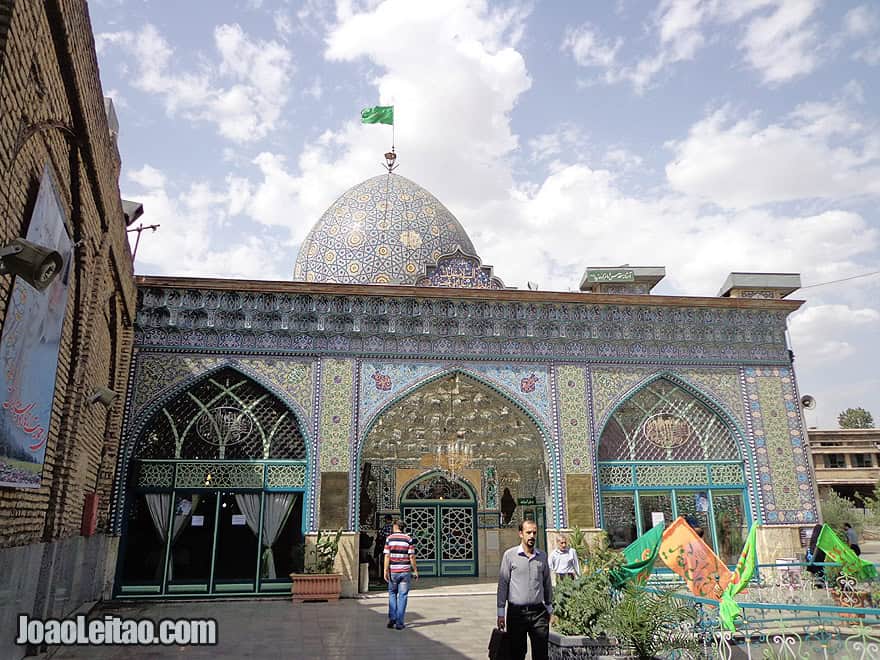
{"type": "Point", "coordinates": [665, 453]}
{"type": "Point", "coordinates": [452, 436]}
{"type": "Point", "coordinates": [216, 493]}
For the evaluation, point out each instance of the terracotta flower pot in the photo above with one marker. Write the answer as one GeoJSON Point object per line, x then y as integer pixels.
{"type": "Point", "coordinates": [315, 586]}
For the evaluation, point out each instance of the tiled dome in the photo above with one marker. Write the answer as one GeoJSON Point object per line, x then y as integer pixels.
{"type": "Point", "coordinates": [382, 231]}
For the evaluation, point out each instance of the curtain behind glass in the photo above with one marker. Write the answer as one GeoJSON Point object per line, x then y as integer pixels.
{"type": "Point", "coordinates": [278, 506]}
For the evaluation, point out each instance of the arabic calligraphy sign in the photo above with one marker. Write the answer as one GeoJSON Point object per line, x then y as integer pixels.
{"type": "Point", "coordinates": [29, 350]}
{"type": "Point", "coordinates": [667, 431]}
{"type": "Point", "coordinates": [611, 275]}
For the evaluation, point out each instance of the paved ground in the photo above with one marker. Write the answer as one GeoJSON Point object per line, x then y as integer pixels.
{"type": "Point", "coordinates": [441, 624]}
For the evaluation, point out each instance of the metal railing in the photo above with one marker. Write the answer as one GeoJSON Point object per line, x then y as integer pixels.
{"type": "Point", "coordinates": [789, 612]}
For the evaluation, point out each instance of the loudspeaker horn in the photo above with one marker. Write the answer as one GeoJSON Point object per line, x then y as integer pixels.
{"type": "Point", "coordinates": [808, 402]}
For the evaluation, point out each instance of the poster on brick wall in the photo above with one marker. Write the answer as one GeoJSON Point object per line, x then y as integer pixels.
{"type": "Point", "coordinates": [29, 347]}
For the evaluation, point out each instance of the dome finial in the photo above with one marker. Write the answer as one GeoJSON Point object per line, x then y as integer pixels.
{"type": "Point", "coordinates": [390, 157]}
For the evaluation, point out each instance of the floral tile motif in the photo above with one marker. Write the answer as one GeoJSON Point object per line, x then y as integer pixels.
{"type": "Point", "coordinates": [723, 385]}
{"type": "Point", "coordinates": [574, 422]}
{"type": "Point", "coordinates": [159, 373]}
{"type": "Point", "coordinates": [610, 384]}
{"type": "Point", "coordinates": [382, 382]}
{"type": "Point", "coordinates": [294, 378]}
{"type": "Point", "coordinates": [336, 420]}
{"type": "Point", "coordinates": [784, 478]}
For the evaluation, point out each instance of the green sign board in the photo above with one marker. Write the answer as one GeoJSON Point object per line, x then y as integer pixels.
{"type": "Point", "coordinates": [611, 275]}
{"type": "Point", "coordinates": [526, 500]}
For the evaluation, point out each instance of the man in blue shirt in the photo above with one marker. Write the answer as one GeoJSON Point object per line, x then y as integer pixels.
{"type": "Point", "coordinates": [524, 587]}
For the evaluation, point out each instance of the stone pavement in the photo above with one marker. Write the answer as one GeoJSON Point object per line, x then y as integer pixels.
{"type": "Point", "coordinates": [443, 621]}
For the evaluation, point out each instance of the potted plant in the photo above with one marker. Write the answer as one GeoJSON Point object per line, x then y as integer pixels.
{"type": "Point", "coordinates": [581, 605]}
{"type": "Point", "coordinates": [319, 582]}
{"type": "Point", "coordinates": [651, 623]}
{"type": "Point", "coordinates": [593, 619]}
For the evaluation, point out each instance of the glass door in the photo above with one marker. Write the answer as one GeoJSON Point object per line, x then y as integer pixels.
{"type": "Point", "coordinates": [190, 555]}
{"type": "Point", "coordinates": [236, 554]}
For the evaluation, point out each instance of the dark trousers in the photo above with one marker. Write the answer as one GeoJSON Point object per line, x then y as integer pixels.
{"type": "Point", "coordinates": [534, 622]}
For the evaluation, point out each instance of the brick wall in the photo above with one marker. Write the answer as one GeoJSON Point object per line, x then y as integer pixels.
{"type": "Point", "coordinates": [52, 111]}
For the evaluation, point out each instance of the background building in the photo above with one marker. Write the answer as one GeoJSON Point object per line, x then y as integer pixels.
{"type": "Point", "coordinates": [846, 461]}
{"type": "Point", "coordinates": [66, 349]}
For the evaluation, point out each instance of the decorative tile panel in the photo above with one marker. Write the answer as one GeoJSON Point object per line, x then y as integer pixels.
{"type": "Point", "coordinates": [574, 422]}
{"type": "Point", "coordinates": [337, 414]}
{"type": "Point", "coordinates": [784, 477]}
{"type": "Point", "coordinates": [155, 475]}
{"type": "Point", "coordinates": [219, 475]}
{"type": "Point", "coordinates": [366, 326]}
{"type": "Point", "coordinates": [286, 476]}
{"type": "Point", "coordinates": [611, 384]}
{"type": "Point", "coordinates": [294, 378]}
{"type": "Point", "coordinates": [382, 382]}
{"type": "Point", "coordinates": [671, 475]}
{"type": "Point", "coordinates": [159, 373]}
{"type": "Point", "coordinates": [723, 385]}
{"type": "Point", "coordinates": [726, 474]}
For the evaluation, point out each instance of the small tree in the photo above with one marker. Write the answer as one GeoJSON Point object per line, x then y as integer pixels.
{"type": "Point", "coordinates": [855, 418]}
{"type": "Point", "coordinates": [837, 510]}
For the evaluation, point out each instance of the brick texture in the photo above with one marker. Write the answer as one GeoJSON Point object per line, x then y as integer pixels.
{"type": "Point", "coordinates": [52, 111]}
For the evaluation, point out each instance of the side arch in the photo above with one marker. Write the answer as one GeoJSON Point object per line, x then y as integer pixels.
{"type": "Point", "coordinates": [549, 444]}
{"type": "Point", "coordinates": [729, 421]}
{"type": "Point", "coordinates": [474, 492]}
{"type": "Point", "coordinates": [133, 435]}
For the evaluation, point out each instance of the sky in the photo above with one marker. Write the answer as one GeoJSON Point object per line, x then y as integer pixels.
{"type": "Point", "coordinates": [700, 135]}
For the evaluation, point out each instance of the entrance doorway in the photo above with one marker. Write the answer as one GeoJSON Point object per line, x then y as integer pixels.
{"type": "Point", "coordinates": [441, 517]}
{"type": "Point", "coordinates": [459, 461]}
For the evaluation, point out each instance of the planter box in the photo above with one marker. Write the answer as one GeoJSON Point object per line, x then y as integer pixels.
{"type": "Point", "coordinates": [575, 647]}
{"type": "Point", "coordinates": [312, 586]}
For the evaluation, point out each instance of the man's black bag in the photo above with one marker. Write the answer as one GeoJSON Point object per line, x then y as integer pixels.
{"type": "Point", "coordinates": [499, 645]}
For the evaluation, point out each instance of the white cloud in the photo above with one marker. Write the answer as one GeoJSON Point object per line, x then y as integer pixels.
{"type": "Point", "coordinates": [779, 39]}
{"type": "Point", "coordinates": [782, 45]}
{"type": "Point", "coordinates": [818, 151]}
{"type": "Point", "coordinates": [816, 330]}
{"type": "Point", "coordinates": [195, 220]}
{"type": "Point", "coordinates": [148, 177]}
{"type": "Point", "coordinates": [861, 21]}
{"type": "Point", "coordinates": [243, 93]}
{"type": "Point", "coordinates": [588, 49]}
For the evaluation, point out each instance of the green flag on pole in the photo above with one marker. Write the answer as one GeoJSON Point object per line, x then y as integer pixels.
{"type": "Point", "coordinates": [640, 556]}
{"type": "Point", "coordinates": [380, 114]}
{"type": "Point", "coordinates": [838, 551]}
{"type": "Point", "coordinates": [728, 610]}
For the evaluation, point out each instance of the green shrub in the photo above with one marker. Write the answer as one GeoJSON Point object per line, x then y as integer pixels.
{"type": "Point", "coordinates": [837, 510]}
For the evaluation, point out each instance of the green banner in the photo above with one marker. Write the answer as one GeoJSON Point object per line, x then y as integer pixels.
{"type": "Point", "coordinates": [640, 557]}
{"type": "Point", "coordinates": [380, 114]}
{"type": "Point", "coordinates": [838, 551]}
{"type": "Point", "coordinates": [728, 610]}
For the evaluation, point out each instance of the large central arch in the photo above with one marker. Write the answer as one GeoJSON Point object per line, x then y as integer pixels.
{"type": "Point", "coordinates": [458, 426]}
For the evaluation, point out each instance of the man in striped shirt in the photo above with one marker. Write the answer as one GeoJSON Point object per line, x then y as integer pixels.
{"type": "Point", "coordinates": [400, 567]}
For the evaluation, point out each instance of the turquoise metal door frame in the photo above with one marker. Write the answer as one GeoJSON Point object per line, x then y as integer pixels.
{"type": "Point", "coordinates": [438, 566]}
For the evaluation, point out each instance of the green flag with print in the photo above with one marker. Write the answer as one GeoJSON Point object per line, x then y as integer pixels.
{"type": "Point", "coordinates": [380, 114]}
{"type": "Point", "coordinates": [640, 556]}
{"type": "Point", "coordinates": [838, 551]}
{"type": "Point", "coordinates": [728, 610]}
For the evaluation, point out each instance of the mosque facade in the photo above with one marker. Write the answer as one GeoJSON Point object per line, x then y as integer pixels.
{"type": "Point", "coordinates": [397, 374]}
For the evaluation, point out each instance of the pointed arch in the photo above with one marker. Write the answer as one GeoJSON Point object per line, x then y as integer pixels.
{"type": "Point", "coordinates": [135, 432]}
{"type": "Point", "coordinates": [666, 445]}
{"type": "Point", "coordinates": [549, 448]}
{"type": "Point", "coordinates": [430, 473]}
{"type": "Point", "coordinates": [705, 398]}
{"type": "Point", "coordinates": [143, 416]}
